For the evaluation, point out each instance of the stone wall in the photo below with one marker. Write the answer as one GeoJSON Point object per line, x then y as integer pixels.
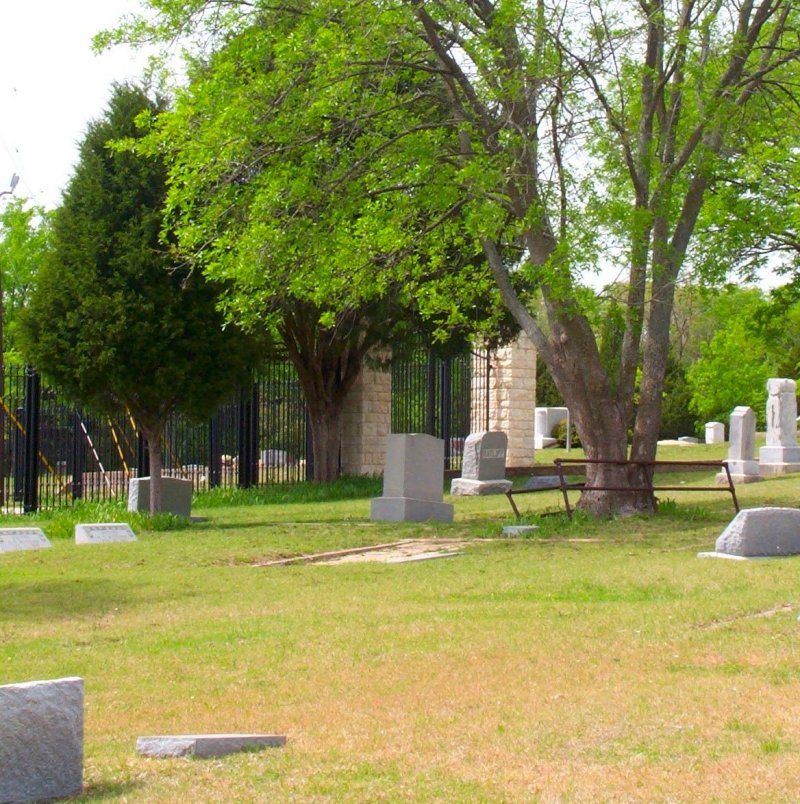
{"type": "Point", "coordinates": [512, 397]}
{"type": "Point", "coordinates": [367, 420]}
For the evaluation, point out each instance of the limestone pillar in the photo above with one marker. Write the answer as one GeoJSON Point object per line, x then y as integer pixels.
{"type": "Point", "coordinates": [512, 398]}
{"type": "Point", "coordinates": [366, 421]}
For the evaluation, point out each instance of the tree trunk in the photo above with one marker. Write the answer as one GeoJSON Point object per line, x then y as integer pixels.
{"type": "Point", "coordinates": [153, 438]}
{"type": "Point", "coordinates": [326, 432]}
{"type": "Point", "coordinates": [599, 418]}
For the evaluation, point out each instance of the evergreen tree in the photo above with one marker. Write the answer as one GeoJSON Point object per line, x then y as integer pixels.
{"type": "Point", "coordinates": [112, 318]}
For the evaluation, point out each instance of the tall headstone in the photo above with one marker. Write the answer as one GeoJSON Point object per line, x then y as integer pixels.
{"type": "Point", "coordinates": [41, 739]}
{"type": "Point", "coordinates": [412, 481]}
{"type": "Point", "coordinates": [742, 446]}
{"type": "Point", "coordinates": [715, 433]}
{"type": "Point", "coordinates": [781, 454]}
{"type": "Point", "coordinates": [483, 466]}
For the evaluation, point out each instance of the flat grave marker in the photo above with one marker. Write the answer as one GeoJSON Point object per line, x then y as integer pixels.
{"type": "Point", "coordinates": [104, 533]}
{"type": "Point", "coordinates": [12, 539]}
{"type": "Point", "coordinates": [206, 745]}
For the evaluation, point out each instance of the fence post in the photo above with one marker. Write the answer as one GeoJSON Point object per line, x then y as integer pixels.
{"type": "Point", "coordinates": [214, 454]}
{"type": "Point", "coordinates": [78, 456]}
{"type": "Point", "coordinates": [19, 457]}
{"type": "Point", "coordinates": [33, 398]}
{"type": "Point", "coordinates": [309, 444]}
{"type": "Point", "coordinates": [445, 407]}
{"type": "Point", "coordinates": [430, 425]}
{"type": "Point", "coordinates": [142, 456]}
{"type": "Point", "coordinates": [248, 437]}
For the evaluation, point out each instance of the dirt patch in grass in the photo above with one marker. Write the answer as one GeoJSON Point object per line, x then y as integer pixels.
{"type": "Point", "coordinates": [389, 553]}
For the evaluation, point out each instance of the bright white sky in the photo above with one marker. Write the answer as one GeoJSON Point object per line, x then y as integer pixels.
{"type": "Point", "coordinates": [52, 85]}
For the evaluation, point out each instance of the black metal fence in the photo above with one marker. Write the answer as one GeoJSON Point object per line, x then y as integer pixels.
{"type": "Point", "coordinates": [52, 452]}
{"type": "Point", "coordinates": [447, 397]}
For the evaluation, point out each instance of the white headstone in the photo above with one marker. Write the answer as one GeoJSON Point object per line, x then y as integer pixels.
{"type": "Point", "coordinates": [483, 466]}
{"type": "Point", "coordinates": [12, 539]}
{"type": "Point", "coordinates": [412, 480]}
{"type": "Point", "coordinates": [781, 454]}
{"type": "Point", "coordinates": [104, 532]}
{"type": "Point", "coordinates": [715, 433]}
{"type": "Point", "coordinates": [41, 740]}
{"type": "Point", "coordinates": [742, 434]}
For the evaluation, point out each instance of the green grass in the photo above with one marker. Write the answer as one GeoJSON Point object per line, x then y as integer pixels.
{"type": "Point", "coordinates": [591, 661]}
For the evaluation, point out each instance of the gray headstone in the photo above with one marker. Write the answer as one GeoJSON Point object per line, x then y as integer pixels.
{"type": "Point", "coordinates": [762, 532]}
{"type": "Point", "coordinates": [12, 539]}
{"type": "Point", "coordinates": [104, 532]}
{"type": "Point", "coordinates": [484, 456]}
{"type": "Point", "coordinates": [464, 487]}
{"type": "Point", "coordinates": [206, 745]}
{"type": "Point", "coordinates": [414, 466]}
{"type": "Point", "coordinates": [412, 480]}
{"type": "Point", "coordinates": [176, 495]}
{"type": "Point", "coordinates": [41, 740]}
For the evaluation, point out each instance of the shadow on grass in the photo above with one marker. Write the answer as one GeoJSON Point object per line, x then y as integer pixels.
{"type": "Point", "coordinates": [62, 599]}
{"type": "Point", "coordinates": [106, 790]}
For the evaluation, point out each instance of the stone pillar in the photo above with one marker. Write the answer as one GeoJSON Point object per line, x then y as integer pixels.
{"type": "Point", "coordinates": [512, 398]}
{"type": "Point", "coordinates": [366, 421]}
{"type": "Point", "coordinates": [781, 454]}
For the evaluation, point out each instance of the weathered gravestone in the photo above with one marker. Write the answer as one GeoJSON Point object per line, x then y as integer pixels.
{"type": "Point", "coordinates": [104, 532]}
{"type": "Point", "coordinates": [483, 466]}
{"type": "Point", "coordinates": [12, 539]}
{"type": "Point", "coordinates": [742, 466]}
{"type": "Point", "coordinates": [41, 740]}
{"type": "Point", "coordinates": [545, 421]}
{"type": "Point", "coordinates": [206, 745]}
{"type": "Point", "coordinates": [412, 481]}
{"type": "Point", "coordinates": [176, 495]}
{"type": "Point", "coordinates": [715, 433]}
{"type": "Point", "coordinates": [760, 533]}
{"type": "Point", "coordinates": [781, 454]}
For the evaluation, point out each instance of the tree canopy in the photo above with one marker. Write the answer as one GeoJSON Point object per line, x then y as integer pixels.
{"type": "Point", "coordinates": [113, 319]}
{"type": "Point", "coordinates": [575, 133]}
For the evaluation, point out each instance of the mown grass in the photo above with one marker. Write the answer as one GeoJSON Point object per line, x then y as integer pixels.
{"type": "Point", "coordinates": [591, 661]}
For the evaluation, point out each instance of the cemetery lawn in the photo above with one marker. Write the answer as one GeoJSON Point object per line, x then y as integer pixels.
{"type": "Point", "coordinates": [593, 661]}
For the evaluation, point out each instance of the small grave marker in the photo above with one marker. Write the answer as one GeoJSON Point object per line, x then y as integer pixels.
{"type": "Point", "coordinates": [206, 745]}
{"type": "Point", "coordinates": [12, 539]}
{"type": "Point", "coordinates": [104, 533]}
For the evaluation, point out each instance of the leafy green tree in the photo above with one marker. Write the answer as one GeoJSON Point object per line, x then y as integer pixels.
{"type": "Point", "coordinates": [112, 317]}
{"type": "Point", "coordinates": [734, 365]}
{"type": "Point", "coordinates": [275, 193]}
{"type": "Point", "coordinates": [24, 234]}
{"type": "Point", "coordinates": [574, 129]}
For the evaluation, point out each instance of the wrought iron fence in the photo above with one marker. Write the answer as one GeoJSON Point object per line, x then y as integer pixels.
{"type": "Point", "coordinates": [260, 436]}
{"type": "Point", "coordinates": [445, 396]}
